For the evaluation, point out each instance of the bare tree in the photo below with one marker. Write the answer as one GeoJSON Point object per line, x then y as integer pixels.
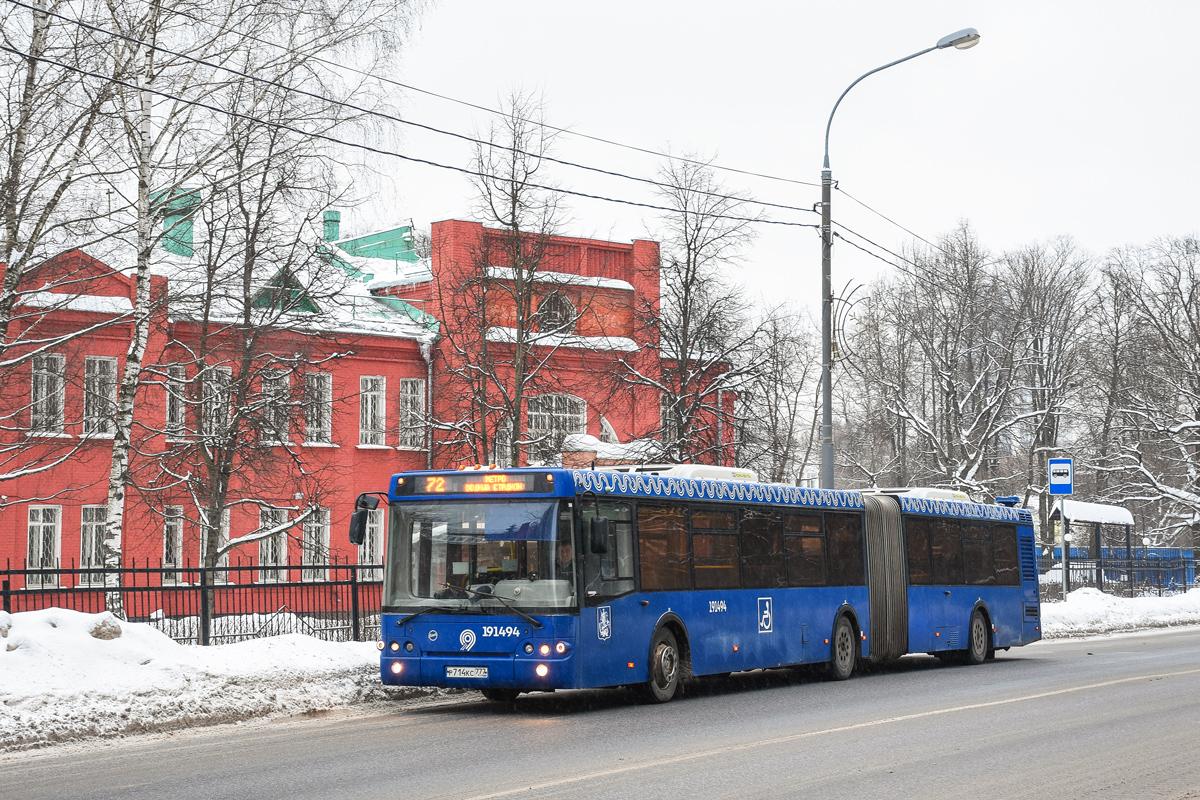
{"type": "Point", "coordinates": [255, 68]}
{"type": "Point", "coordinates": [777, 403]}
{"type": "Point", "coordinates": [503, 319]}
{"type": "Point", "coordinates": [946, 352]}
{"type": "Point", "coordinates": [1159, 444]}
{"type": "Point", "coordinates": [702, 326]}
{"type": "Point", "coordinates": [1046, 287]}
{"type": "Point", "coordinates": [51, 202]}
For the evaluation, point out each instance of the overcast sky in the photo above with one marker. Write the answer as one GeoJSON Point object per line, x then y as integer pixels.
{"type": "Point", "coordinates": [1073, 118]}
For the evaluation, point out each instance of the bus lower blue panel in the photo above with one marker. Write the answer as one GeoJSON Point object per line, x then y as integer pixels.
{"type": "Point", "coordinates": [939, 616]}
{"type": "Point", "coordinates": [727, 630]}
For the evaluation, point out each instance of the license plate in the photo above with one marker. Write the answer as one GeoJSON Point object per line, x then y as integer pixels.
{"type": "Point", "coordinates": [466, 672]}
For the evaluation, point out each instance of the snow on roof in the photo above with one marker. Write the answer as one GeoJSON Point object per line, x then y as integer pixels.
{"type": "Point", "coordinates": [1078, 511]}
{"type": "Point", "coordinates": [346, 304]}
{"type": "Point", "coordinates": [100, 304]}
{"type": "Point", "coordinates": [509, 335]}
{"type": "Point", "coordinates": [562, 278]}
{"type": "Point", "coordinates": [636, 450]}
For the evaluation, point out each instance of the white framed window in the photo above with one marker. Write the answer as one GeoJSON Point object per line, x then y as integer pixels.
{"type": "Point", "coordinates": [551, 418]}
{"type": "Point", "coordinates": [314, 545]}
{"type": "Point", "coordinates": [91, 544]}
{"type": "Point", "coordinates": [412, 413]}
{"type": "Point", "coordinates": [501, 453]}
{"type": "Point", "coordinates": [176, 402]}
{"type": "Point", "coordinates": [48, 407]}
{"type": "Point", "coordinates": [272, 550]}
{"type": "Point", "coordinates": [276, 398]}
{"type": "Point", "coordinates": [371, 550]}
{"type": "Point", "coordinates": [318, 408]}
{"type": "Point", "coordinates": [218, 382]}
{"type": "Point", "coordinates": [45, 543]}
{"type": "Point", "coordinates": [99, 395]}
{"type": "Point", "coordinates": [608, 434]}
{"type": "Point", "coordinates": [372, 414]}
{"type": "Point", "coordinates": [222, 541]}
{"type": "Point", "coordinates": [172, 557]}
{"type": "Point", "coordinates": [668, 415]}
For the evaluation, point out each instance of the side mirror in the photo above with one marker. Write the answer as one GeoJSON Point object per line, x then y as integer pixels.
{"type": "Point", "coordinates": [358, 526]}
{"type": "Point", "coordinates": [598, 540]}
{"type": "Point", "coordinates": [358, 520]}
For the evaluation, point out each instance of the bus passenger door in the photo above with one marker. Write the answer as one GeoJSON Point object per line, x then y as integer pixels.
{"type": "Point", "coordinates": [608, 610]}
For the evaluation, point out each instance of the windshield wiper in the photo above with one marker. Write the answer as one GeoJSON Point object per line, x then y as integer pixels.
{"type": "Point", "coordinates": [426, 610]}
{"type": "Point", "coordinates": [502, 600]}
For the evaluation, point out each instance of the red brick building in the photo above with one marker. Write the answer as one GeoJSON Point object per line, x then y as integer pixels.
{"type": "Point", "coordinates": [373, 389]}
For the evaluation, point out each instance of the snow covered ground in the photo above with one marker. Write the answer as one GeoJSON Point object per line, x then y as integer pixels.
{"type": "Point", "coordinates": [67, 676]}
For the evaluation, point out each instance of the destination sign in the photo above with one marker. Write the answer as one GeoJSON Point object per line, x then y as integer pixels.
{"type": "Point", "coordinates": [475, 482]}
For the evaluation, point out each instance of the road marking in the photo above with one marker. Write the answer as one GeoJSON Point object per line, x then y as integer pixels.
{"type": "Point", "coordinates": [811, 734]}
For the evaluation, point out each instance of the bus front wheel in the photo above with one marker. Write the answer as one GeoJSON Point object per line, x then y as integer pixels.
{"type": "Point", "coordinates": [500, 695]}
{"type": "Point", "coordinates": [664, 667]}
{"type": "Point", "coordinates": [841, 663]}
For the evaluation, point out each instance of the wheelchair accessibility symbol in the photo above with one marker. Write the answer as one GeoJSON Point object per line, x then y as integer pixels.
{"type": "Point", "coordinates": [766, 615]}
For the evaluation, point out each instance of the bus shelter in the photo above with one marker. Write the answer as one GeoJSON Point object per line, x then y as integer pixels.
{"type": "Point", "coordinates": [1085, 529]}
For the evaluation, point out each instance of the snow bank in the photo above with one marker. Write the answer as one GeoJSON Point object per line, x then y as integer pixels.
{"type": "Point", "coordinates": [66, 676]}
{"type": "Point", "coordinates": [1090, 611]}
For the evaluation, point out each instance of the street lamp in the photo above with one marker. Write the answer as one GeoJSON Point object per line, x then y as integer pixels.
{"type": "Point", "coordinates": [960, 40]}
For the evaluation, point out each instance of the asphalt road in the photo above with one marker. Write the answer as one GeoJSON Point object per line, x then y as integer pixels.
{"type": "Point", "coordinates": [1117, 717]}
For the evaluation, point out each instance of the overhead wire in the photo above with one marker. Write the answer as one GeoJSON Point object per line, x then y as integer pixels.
{"type": "Point", "coordinates": [401, 120]}
{"type": "Point", "coordinates": [883, 216]}
{"type": "Point", "coordinates": [390, 153]}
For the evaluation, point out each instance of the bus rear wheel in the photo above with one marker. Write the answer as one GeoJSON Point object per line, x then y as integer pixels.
{"type": "Point", "coordinates": [843, 657]}
{"type": "Point", "coordinates": [500, 695]}
{"type": "Point", "coordinates": [977, 641]}
{"type": "Point", "coordinates": [664, 667]}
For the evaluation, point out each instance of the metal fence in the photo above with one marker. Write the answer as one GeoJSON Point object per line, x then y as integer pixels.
{"type": "Point", "coordinates": [215, 605]}
{"type": "Point", "coordinates": [1114, 573]}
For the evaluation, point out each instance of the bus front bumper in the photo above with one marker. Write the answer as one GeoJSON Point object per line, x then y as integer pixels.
{"type": "Point", "coordinates": [527, 673]}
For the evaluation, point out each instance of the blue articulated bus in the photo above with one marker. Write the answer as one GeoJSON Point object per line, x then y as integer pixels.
{"type": "Point", "coordinates": [532, 580]}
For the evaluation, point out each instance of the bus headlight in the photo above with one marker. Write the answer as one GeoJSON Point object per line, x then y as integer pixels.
{"type": "Point", "coordinates": [544, 649]}
{"type": "Point", "coordinates": [408, 646]}
{"type": "Point", "coordinates": [379, 644]}
{"type": "Point", "coordinates": [560, 648]}
{"type": "Point", "coordinates": [529, 648]}
{"type": "Point", "coordinates": [542, 670]}
{"type": "Point", "coordinates": [395, 647]}
{"type": "Point", "coordinates": [396, 667]}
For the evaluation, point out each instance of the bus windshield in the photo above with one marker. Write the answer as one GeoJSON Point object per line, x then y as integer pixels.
{"type": "Point", "coordinates": [481, 555]}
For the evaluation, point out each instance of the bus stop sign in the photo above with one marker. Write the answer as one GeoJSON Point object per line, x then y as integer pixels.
{"type": "Point", "coordinates": [1062, 476]}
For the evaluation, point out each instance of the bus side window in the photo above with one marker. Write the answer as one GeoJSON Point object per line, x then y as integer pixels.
{"type": "Point", "coordinates": [715, 545]}
{"type": "Point", "coordinates": [947, 552]}
{"type": "Point", "coordinates": [1008, 572]}
{"type": "Point", "coordinates": [762, 549]}
{"type": "Point", "coordinates": [978, 563]}
{"type": "Point", "coordinates": [804, 543]}
{"type": "Point", "coordinates": [916, 532]}
{"type": "Point", "coordinates": [663, 547]}
{"type": "Point", "coordinates": [844, 533]}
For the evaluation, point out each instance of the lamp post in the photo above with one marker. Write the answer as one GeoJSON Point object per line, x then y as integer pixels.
{"type": "Point", "coordinates": [960, 40]}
